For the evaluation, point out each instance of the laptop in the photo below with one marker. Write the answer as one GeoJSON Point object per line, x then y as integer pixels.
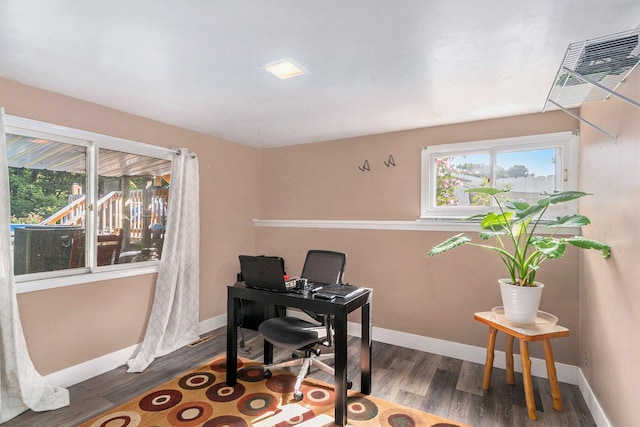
{"type": "Point", "coordinates": [264, 272]}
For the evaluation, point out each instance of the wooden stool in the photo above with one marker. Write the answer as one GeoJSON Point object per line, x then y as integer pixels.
{"type": "Point", "coordinates": [525, 335]}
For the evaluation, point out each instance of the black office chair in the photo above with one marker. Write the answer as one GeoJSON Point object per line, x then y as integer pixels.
{"type": "Point", "coordinates": [299, 335]}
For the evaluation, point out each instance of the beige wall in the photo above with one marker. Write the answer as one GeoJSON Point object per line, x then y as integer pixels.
{"type": "Point", "coordinates": [433, 297]}
{"type": "Point", "coordinates": [610, 290]}
{"type": "Point", "coordinates": [70, 325]}
{"type": "Point", "coordinates": [322, 180]}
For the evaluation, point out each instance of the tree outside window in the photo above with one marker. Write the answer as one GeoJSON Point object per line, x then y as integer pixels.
{"type": "Point", "coordinates": [55, 213]}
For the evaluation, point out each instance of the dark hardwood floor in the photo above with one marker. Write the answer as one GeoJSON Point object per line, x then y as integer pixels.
{"type": "Point", "coordinates": [441, 385]}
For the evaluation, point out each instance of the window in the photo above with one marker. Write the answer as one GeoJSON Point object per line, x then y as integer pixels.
{"type": "Point", "coordinates": [525, 166]}
{"type": "Point", "coordinates": [83, 202]}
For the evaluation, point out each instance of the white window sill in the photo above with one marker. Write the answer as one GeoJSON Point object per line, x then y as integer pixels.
{"type": "Point", "coordinates": [417, 225]}
{"type": "Point", "coordinates": [75, 278]}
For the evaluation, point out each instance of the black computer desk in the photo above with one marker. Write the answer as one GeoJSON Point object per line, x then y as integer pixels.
{"type": "Point", "coordinates": [338, 307]}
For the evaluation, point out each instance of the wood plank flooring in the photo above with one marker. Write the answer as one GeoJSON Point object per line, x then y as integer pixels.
{"type": "Point", "coordinates": [441, 385]}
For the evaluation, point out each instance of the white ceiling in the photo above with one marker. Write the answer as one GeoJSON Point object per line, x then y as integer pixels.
{"type": "Point", "coordinates": [374, 65]}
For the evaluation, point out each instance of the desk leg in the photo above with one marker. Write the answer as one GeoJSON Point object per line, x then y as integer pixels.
{"type": "Point", "coordinates": [232, 340]}
{"type": "Point", "coordinates": [551, 373]}
{"type": "Point", "coordinates": [341, 368]}
{"type": "Point", "coordinates": [511, 379]}
{"type": "Point", "coordinates": [365, 349]}
{"type": "Point", "coordinates": [267, 352]}
{"type": "Point", "coordinates": [488, 365]}
{"type": "Point", "coordinates": [267, 355]}
{"type": "Point", "coordinates": [526, 379]}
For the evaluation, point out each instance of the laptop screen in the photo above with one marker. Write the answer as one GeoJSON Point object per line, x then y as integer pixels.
{"type": "Point", "coordinates": [263, 272]}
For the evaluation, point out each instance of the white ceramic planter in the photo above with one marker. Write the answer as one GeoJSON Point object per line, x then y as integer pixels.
{"type": "Point", "coordinates": [520, 303]}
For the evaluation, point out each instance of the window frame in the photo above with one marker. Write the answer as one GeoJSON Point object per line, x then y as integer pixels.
{"type": "Point", "coordinates": [93, 142]}
{"type": "Point", "coordinates": [566, 169]}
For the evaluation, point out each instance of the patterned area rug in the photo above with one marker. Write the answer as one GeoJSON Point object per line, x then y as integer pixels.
{"type": "Point", "coordinates": [201, 398]}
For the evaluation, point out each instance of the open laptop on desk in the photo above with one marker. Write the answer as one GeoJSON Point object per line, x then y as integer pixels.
{"type": "Point", "coordinates": [264, 272]}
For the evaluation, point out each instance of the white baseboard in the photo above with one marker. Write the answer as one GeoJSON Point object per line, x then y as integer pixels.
{"type": "Point", "coordinates": [89, 369]}
{"type": "Point", "coordinates": [597, 413]}
{"type": "Point", "coordinates": [566, 373]}
{"type": "Point", "coordinates": [212, 323]}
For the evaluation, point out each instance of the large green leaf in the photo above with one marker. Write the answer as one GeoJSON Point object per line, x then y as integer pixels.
{"type": "Point", "coordinates": [517, 205]}
{"type": "Point", "coordinates": [584, 243]}
{"type": "Point", "coordinates": [450, 243]}
{"type": "Point", "coordinates": [487, 234]}
{"type": "Point", "coordinates": [565, 196]}
{"type": "Point", "coordinates": [549, 246]}
{"type": "Point", "coordinates": [531, 211]}
{"type": "Point", "coordinates": [519, 228]}
{"type": "Point", "coordinates": [496, 221]}
{"type": "Point", "coordinates": [474, 217]}
{"type": "Point", "coordinates": [569, 221]}
{"type": "Point", "coordinates": [544, 202]}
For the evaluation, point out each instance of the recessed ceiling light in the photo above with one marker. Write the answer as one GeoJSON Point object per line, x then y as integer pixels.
{"type": "Point", "coordinates": [285, 69]}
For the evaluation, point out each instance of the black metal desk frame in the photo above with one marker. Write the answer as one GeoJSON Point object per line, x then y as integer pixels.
{"type": "Point", "coordinates": [339, 308]}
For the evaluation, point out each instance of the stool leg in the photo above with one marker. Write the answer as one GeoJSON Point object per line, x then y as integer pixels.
{"type": "Point", "coordinates": [511, 379]}
{"type": "Point", "coordinates": [486, 380]}
{"type": "Point", "coordinates": [556, 398]}
{"type": "Point", "coordinates": [526, 379]}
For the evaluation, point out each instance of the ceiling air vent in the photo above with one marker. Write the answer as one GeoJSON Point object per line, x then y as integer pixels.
{"type": "Point", "coordinates": [593, 69]}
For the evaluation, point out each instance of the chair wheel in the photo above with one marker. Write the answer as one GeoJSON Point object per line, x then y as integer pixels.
{"type": "Point", "coordinates": [297, 396]}
{"type": "Point", "coordinates": [349, 385]}
{"type": "Point", "coordinates": [267, 373]}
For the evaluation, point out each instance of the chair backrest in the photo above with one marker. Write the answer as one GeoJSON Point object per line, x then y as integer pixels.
{"type": "Point", "coordinates": [324, 266]}
{"type": "Point", "coordinates": [76, 258]}
{"type": "Point", "coordinates": [108, 251]}
{"type": "Point", "coordinates": [109, 247]}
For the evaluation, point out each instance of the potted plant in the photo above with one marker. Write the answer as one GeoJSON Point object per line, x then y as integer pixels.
{"type": "Point", "coordinates": [518, 222]}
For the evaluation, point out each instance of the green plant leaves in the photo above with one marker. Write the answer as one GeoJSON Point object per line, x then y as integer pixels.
{"type": "Point", "coordinates": [523, 210]}
{"type": "Point", "coordinates": [518, 220]}
{"type": "Point", "coordinates": [549, 246]}
{"type": "Point", "coordinates": [564, 196]}
{"type": "Point", "coordinates": [531, 211]}
{"type": "Point", "coordinates": [584, 243]}
{"type": "Point", "coordinates": [496, 221]}
{"type": "Point", "coordinates": [516, 205]}
{"type": "Point", "coordinates": [450, 243]}
{"type": "Point", "coordinates": [485, 235]}
{"type": "Point", "coordinates": [569, 221]}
